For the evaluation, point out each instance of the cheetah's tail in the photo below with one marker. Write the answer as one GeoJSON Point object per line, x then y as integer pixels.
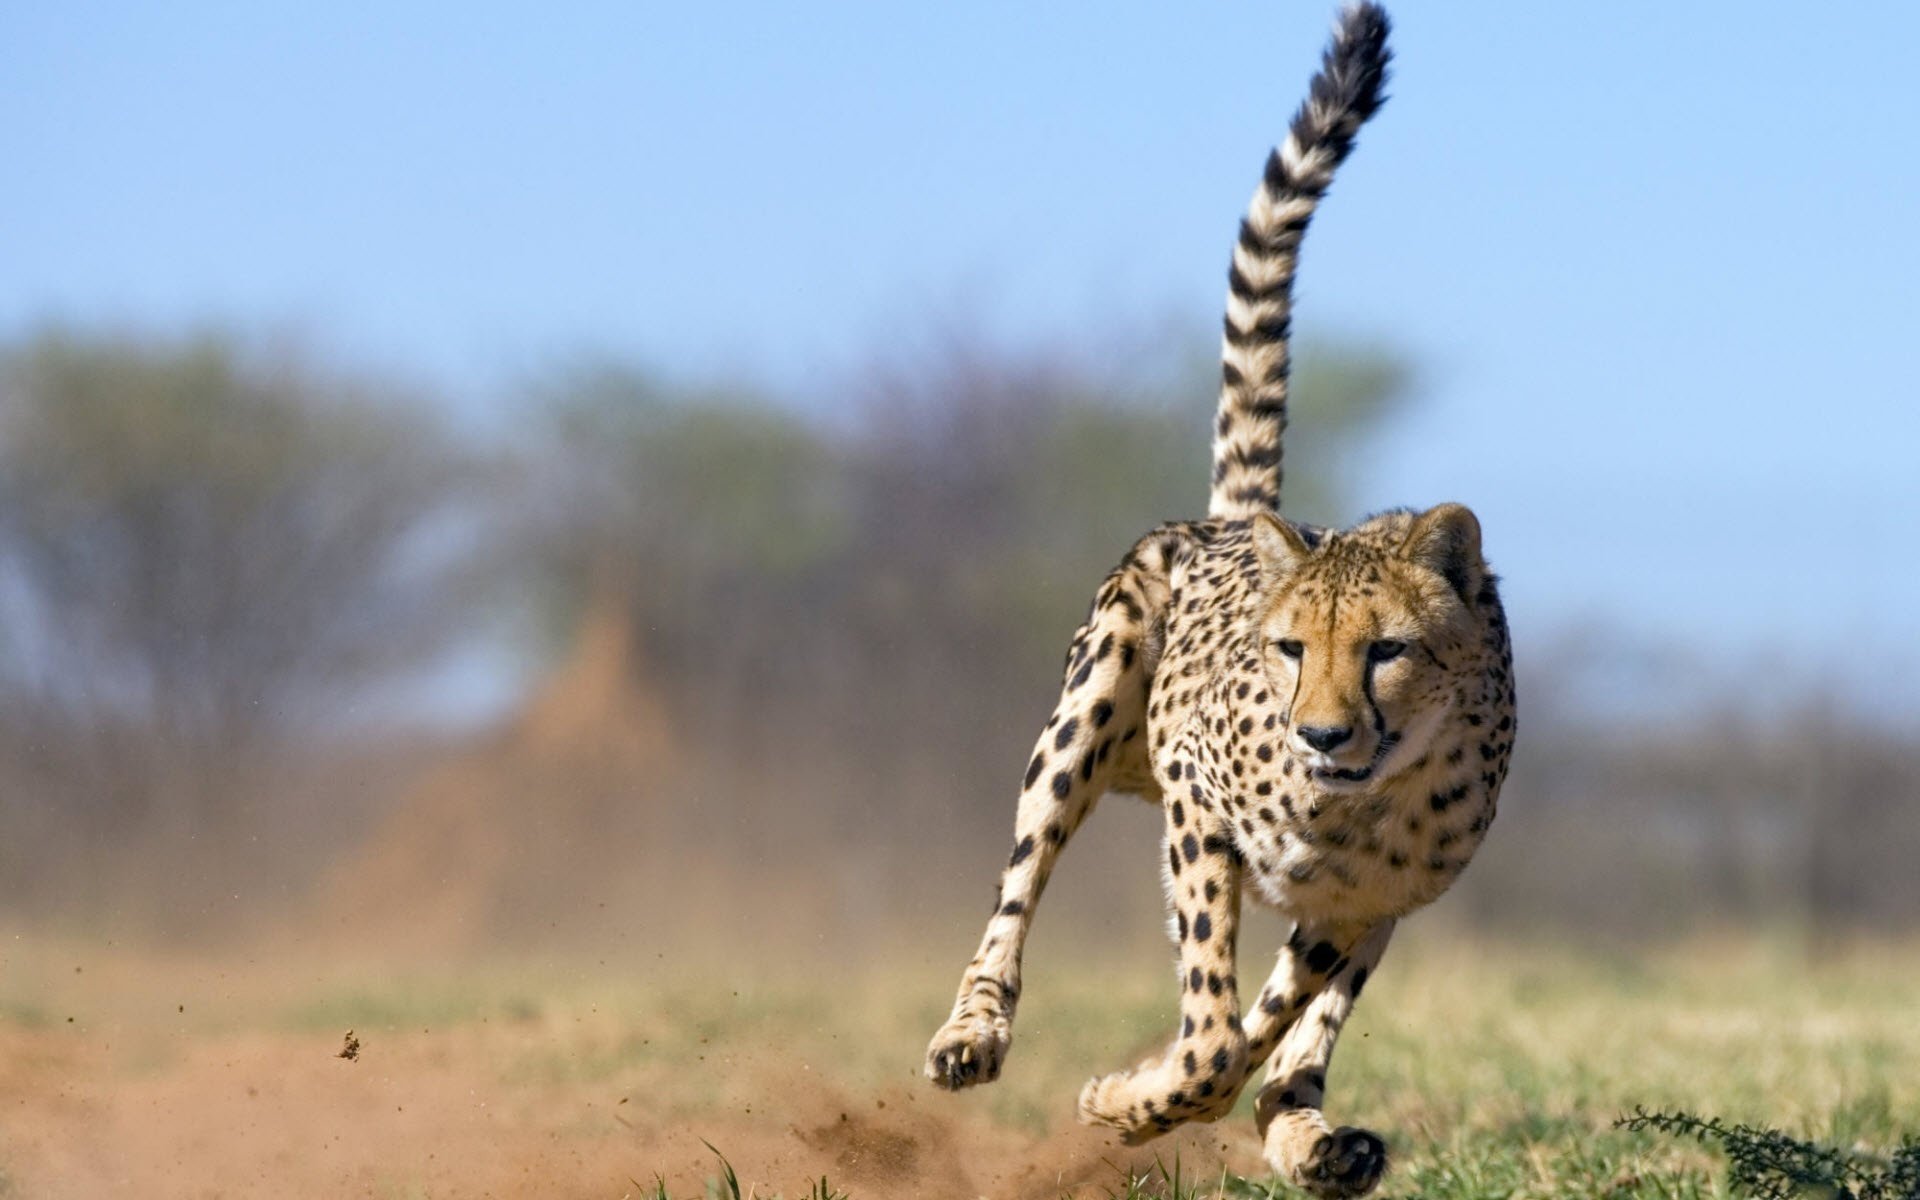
{"type": "Point", "coordinates": [1254, 354]}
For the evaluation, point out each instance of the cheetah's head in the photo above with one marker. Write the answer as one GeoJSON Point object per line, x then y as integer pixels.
{"type": "Point", "coordinates": [1362, 632]}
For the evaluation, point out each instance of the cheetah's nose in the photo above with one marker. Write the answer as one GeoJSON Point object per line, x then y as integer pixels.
{"type": "Point", "coordinates": [1324, 737]}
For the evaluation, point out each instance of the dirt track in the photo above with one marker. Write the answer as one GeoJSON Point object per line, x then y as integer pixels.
{"type": "Point", "coordinates": [90, 1113]}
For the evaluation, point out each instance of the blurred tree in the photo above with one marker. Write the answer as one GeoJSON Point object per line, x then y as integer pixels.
{"type": "Point", "coordinates": [814, 595]}
{"type": "Point", "coordinates": [1017, 479]}
{"type": "Point", "coordinates": [690, 504]}
{"type": "Point", "coordinates": [206, 552]}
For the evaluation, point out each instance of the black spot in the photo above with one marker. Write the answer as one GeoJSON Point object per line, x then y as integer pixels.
{"type": "Point", "coordinates": [1192, 1063]}
{"type": "Point", "coordinates": [1080, 676]}
{"type": "Point", "coordinates": [1190, 846]}
{"type": "Point", "coordinates": [1202, 927]}
{"type": "Point", "coordinates": [1194, 982]}
{"type": "Point", "coordinates": [1021, 851]}
{"type": "Point", "coordinates": [1034, 768]}
{"type": "Point", "coordinates": [1182, 919]}
{"type": "Point", "coordinates": [1359, 981]}
{"type": "Point", "coordinates": [1179, 813]}
{"type": "Point", "coordinates": [1322, 957]}
{"type": "Point", "coordinates": [1102, 713]}
{"type": "Point", "coordinates": [1065, 736]}
{"type": "Point", "coordinates": [1012, 908]}
{"type": "Point", "coordinates": [1062, 785]}
{"type": "Point", "coordinates": [1220, 1062]}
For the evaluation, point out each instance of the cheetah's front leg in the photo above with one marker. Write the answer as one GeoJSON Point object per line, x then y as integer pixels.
{"type": "Point", "coordinates": [1094, 741]}
{"type": "Point", "coordinates": [1198, 1076]}
{"type": "Point", "coordinates": [1299, 1015]}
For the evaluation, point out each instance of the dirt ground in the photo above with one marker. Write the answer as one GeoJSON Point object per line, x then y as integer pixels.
{"type": "Point", "coordinates": [1492, 1070]}
{"type": "Point", "coordinates": [89, 1114]}
{"type": "Point", "coordinates": [123, 1073]}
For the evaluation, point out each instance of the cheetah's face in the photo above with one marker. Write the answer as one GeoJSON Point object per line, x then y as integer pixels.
{"type": "Point", "coordinates": [1362, 635]}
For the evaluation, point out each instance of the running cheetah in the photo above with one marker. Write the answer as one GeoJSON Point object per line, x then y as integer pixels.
{"type": "Point", "coordinates": [1324, 717]}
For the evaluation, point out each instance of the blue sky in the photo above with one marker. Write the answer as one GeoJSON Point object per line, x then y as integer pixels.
{"type": "Point", "coordinates": [1656, 261]}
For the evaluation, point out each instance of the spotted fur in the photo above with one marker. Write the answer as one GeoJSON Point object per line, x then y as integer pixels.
{"type": "Point", "coordinates": [1325, 720]}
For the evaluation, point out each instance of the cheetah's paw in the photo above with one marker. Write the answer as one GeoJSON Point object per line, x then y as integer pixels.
{"type": "Point", "coordinates": [1345, 1163]}
{"type": "Point", "coordinates": [1138, 1103]}
{"type": "Point", "coordinates": [968, 1050]}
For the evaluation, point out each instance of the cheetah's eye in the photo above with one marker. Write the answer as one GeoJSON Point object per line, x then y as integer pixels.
{"type": "Point", "coordinates": [1386, 651]}
{"type": "Point", "coordinates": [1288, 647]}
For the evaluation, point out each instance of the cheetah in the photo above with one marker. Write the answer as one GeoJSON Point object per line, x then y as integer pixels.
{"type": "Point", "coordinates": [1324, 718]}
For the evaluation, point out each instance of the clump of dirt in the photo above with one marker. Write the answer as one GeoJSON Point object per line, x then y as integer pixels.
{"type": "Point", "coordinates": [912, 1145]}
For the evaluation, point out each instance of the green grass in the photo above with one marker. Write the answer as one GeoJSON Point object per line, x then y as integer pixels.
{"type": "Point", "coordinates": [726, 1186]}
{"type": "Point", "coordinates": [1498, 1071]}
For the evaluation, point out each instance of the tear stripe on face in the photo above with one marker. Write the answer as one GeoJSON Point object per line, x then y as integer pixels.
{"type": "Point", "coordinates": [1410, 743]}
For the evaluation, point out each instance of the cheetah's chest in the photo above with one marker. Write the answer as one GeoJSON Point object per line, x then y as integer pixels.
{"type": "Point", "coordinates": [1351, 856]}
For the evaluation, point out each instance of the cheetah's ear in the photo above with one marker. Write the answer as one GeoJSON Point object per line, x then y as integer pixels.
{"type": "Point", "coordinates": [1446, 539]}
{"type": "Point", "coordinates": [1279, 545]}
